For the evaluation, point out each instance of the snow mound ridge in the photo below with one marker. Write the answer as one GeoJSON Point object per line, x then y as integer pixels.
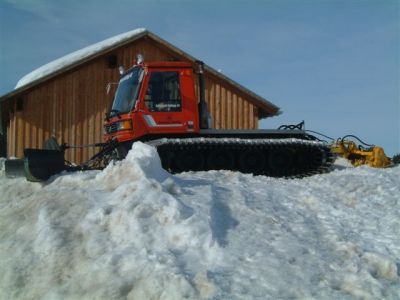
{"type": "Point", "coordinates": [142, 161]}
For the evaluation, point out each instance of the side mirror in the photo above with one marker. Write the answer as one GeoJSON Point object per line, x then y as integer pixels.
{"type": "Point", "coordinates": [108, 86]}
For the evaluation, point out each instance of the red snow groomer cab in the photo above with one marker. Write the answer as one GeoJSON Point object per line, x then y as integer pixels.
{"type": "Point", "coordinates": [154, 99]}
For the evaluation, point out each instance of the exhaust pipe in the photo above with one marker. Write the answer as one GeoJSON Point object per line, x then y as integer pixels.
{"type": "Point", "coordinates": [203, 110]}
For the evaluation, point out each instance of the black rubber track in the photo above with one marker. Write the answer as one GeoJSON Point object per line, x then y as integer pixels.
{"type": "Point", "coordinates": [289, 159]}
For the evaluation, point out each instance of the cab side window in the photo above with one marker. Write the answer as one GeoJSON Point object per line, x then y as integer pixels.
{"type": "Point", "coordinates": [163, 92]}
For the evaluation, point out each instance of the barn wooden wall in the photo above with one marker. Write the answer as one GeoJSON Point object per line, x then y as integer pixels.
{"type": "Point", "coordinates": [229, 109]}
{"type": "Point", "coordinates": [71, 106]}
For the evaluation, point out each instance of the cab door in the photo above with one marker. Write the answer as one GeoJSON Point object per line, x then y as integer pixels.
{"type": "Point", "coordinates": [166, 108]}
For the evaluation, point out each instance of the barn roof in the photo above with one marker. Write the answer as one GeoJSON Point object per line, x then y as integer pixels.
{"type": "Point", "coordinates": [81, 56]}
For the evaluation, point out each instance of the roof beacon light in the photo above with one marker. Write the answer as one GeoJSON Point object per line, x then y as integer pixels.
{"type": "Point", "coordinates": [139, 59]}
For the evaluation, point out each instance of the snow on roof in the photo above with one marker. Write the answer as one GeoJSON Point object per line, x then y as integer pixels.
{"type": "Point", "coordinates": [76, 56]}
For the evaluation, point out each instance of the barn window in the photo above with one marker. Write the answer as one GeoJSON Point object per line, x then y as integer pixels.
{"type": "Point", "coordinates": [112, 61]}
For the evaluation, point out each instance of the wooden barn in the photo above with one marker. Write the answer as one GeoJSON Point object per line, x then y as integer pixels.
{"type": "Point", "coordinates": [67, 98]}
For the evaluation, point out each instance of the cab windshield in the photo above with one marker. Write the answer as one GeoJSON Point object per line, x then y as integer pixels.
{"type": "Point", "coordinates": [127, 92]}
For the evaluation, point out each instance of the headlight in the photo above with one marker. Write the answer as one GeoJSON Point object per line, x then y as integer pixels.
{"type": "Point", "coordinates": [124, 125]}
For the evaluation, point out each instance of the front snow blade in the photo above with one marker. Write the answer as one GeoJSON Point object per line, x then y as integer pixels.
{"type": "Point", "coordinates": [41, 164]}
{"type": "Point", "coordinates": [14, 168]}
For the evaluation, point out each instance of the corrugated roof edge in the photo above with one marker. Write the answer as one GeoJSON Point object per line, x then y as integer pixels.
{"type": "Point", "coordinates": [272, 109]}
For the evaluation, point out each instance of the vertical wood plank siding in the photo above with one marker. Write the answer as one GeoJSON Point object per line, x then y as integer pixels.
{"type": "Point", "coordinates": [229, 108]}
{"type": "Point", "coordinates": [71, 106]}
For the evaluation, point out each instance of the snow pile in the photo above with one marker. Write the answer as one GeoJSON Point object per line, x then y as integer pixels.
{"type": "Point", "coordinates": [134, 231]}
{"type": "Point", "coordinates": [73, 57]}
{"type": "Point", "coordinates": [342, 163]}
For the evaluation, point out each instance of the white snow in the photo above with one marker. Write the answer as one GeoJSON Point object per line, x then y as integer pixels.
{"type": "Point", "coordinates": [133, 231]}
{"type": "Point", "coordinates": [73, 57]}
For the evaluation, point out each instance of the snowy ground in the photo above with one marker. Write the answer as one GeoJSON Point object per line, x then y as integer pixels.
{"type": "Point", "coordinates": [134, 231]}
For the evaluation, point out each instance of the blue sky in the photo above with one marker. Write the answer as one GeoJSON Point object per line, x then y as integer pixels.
{"type": "Point", "coordinates": [334, 64]}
